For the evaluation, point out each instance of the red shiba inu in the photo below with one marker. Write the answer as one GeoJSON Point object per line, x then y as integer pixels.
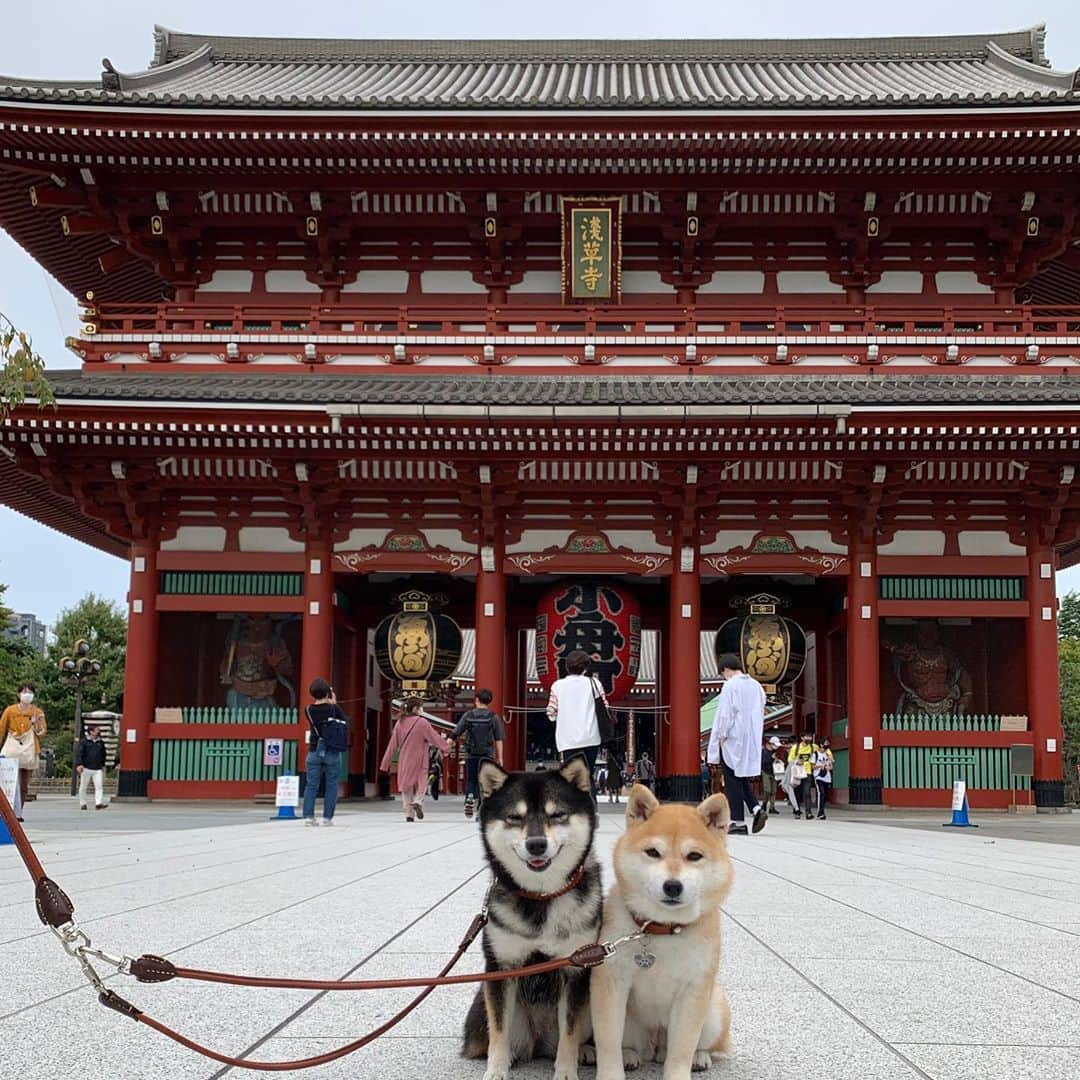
{"type": "Point", "coordinates": [657, 999]}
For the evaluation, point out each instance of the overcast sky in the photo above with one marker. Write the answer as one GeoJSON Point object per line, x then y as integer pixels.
{"type": "Point", "coordinates": [66, 39]}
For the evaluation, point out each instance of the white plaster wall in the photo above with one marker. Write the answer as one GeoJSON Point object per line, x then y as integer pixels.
{"type": "Point", "coordinates": [638, 540]}
{"type": "Point", "coordinates": [378, 281]}
{"type": "Point", "coordinates": [734, 281]}
{"type": "Point", "coordinates": [728, 539]}
{"type": "Point", "coordinates": [540, 281]}
{"type": "Point", "coordinates": [898, 281]}
{"type": "Point", "coordinates": [447, 538]}
{"type": "Point", "coordinates": [539, 540]}
{"type": "Point", "coordinates": [228, 281]}
{"type": "Point", "coordinates": [290, 281]}
{"type": "Point", "coordinates": [806, 281]}
{"type": "Point", "coordinates": [639, 281]}
{"type": "Point", "coordinates": [988, 543]}
{"type": "Point", "coordinates": [362, 538]}
{"type": "Point", "coordinates": [961, 281]}
{"type": "Point", "coordinates": [264, 538]}
{"type": "Point", "coordinates": [820, 540]}
{"type": "Point", "coordinates": [196, 538]}
{"type": "Point", "coordinates": [450, 281]}
{"type": "Point", "coordinates": [914, 543]}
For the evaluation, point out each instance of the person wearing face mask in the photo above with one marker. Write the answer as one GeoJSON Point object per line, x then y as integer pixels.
{"type": "Point", "coordinates": [21, 728]}
{"type": "Point", "coordinates": [90, 765]}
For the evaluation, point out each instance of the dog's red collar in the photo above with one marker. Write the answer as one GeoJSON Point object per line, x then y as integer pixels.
{"type": "Point", "coordinates": [647, 926]}
{"type": "Point", "coordinates": [573, 883]}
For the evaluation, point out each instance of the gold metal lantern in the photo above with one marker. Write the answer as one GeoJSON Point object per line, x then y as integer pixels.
{"type": "Point", "coordinates": [418, 647]}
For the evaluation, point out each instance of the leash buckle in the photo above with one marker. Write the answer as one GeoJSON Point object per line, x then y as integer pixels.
{"type": "Point", "coordinates": [611, 947]}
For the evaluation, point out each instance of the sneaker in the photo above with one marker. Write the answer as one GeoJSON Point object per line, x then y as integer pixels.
{"type": "Point", "coordinates": [102, 806]}
{"type": "Point", "coordinates": [468, 808]}
{"type": "Point", "coordinates": [408, 819]}
{"type": "Point", "coordinates": [418, 810]}
{"type": "Point", "coordinates": [82, 807]}
{"type": "Point", "coordinates": [798, 813]}
{"type": "Point", "coordinates": [821, 817]}
{"type": "Point", "coordinates": [310, 822]}
{"type": "Point", "coordinates": [327, 821]}
{"type": "Point", "coordinates": [760, 817]}
{"type": "Point", "coordinates": [774, 811]}
{"type": "Point", "coordinates": [738, 829]}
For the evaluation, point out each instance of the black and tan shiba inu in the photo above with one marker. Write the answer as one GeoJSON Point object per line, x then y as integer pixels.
{"type": "Point", "coordinates": [537, 829]}
{"type": "Point", "coordinates": [658, 998]}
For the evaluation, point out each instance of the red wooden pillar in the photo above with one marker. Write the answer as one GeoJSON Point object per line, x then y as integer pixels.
{"type": "Point", "coordinates": [682, 767]}
{"type": "Point", "coordinates": [140, 672]}
{"type": "Point", "coordinates": [1041, 653]}
{"type": "Point", "coordinates": [864, 674]}
{"type": "Point", "coordinates": [317, 641]}
{"type": "Point", "coordinates": [516, 743]}
{"type": "Point", "coordinates": [491, 629]}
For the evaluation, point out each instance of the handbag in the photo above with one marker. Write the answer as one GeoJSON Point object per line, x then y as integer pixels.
{"type": "Point", "coordinates": [798, 772]}
{"type": "Point", "coordinates": [603, 714]}
{"type": "Point", "coordinates": [21, 748]}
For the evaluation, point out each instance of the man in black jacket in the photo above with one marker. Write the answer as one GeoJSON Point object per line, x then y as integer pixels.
{"type": "Point", "coordinates": [484, 734]}
{"type": "Point", "coordinates": [90, 765]}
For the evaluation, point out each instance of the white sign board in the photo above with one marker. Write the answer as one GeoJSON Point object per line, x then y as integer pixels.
{"type": "Point", "coordinates": [9, 778]}
{"type": "Point", "coordinates": [959, 794]}
{"type": "Point", "coordinates": [273, 752]}
{"type": "Point", "coordinates": [288, 791]}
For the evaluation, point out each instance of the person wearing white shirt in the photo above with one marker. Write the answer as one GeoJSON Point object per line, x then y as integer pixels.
{"type": "Point", "coordinates": [572, 707]}
{"type": "Point", "coordinates": [735, 742]}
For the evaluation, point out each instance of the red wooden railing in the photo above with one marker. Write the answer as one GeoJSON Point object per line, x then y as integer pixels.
{"type": "Point", "coordinates": [619, 320]}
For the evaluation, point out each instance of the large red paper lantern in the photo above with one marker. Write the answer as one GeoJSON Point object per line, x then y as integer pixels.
{"type": "Point", "coordinates": [599, 618]}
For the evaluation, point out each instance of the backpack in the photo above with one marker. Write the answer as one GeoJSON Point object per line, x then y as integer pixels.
{"type": "Point", "coordinates": [480, 735]}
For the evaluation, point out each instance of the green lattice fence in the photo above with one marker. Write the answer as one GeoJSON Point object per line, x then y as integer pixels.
{"type": "Point", "coordinates": [985, 768]}
{"type": "Point", "coordinates": [952, 588]}
{"type": "Point", "coordinates": [218, 759]}
{"type": "Point", "coordinates": [220, 714]}
{"type": "Point", "coordinates": [921, 722]}
{"type": "Point", "coordinates": [220, 583]}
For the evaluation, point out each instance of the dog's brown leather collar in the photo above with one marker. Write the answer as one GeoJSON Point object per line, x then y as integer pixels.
{"type": "Point", "coordinates": [573, 883]}
{"type": "Point", "coordinates": [647, 926]}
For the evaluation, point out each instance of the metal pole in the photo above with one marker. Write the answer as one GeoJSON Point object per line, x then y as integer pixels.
{"type": "Point", "coordinates": [78, 733]}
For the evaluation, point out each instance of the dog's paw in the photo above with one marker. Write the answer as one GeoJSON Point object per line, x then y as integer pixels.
{"type": "Point", "coordinates": [702, 1061]}
{"type": "Point", "coordinates": [587, 1055]}
{"type": "Point", "coordinates": [631, 1059]}
{"type": "Point", "coordinates": [497, 1073]}
{"type": "Point", "coordinates": [563, 1072]}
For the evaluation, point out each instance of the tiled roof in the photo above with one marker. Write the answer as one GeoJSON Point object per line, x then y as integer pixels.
{"type": "Point", "coordinates": [282, 73]}
{"type": "Point", "coordinates": [496, 391]}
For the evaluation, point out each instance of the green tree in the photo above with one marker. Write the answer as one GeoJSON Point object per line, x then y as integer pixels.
{"type": "Point", "coordinates": [104, 626]}
{"type": "Point", "coordinates": [1069, 669]}
{"type": "Point", "coordinates": [22, 375]}
{"type": "Point", "coordinates": [1069, 616]}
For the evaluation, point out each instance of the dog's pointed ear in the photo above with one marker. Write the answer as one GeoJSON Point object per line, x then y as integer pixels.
{"type": "Point", "coordinates": [576, 772]}
{"type": "Point", "coordinates": [491, 776]}
{"type": "Point", "coordinates": [641, 805]}
{"type": "Point", "coordinates": [716, 813]}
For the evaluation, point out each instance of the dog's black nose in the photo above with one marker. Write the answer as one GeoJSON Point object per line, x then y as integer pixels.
{"type": "Point", "coordinates": [537, 845]}
{"type": "Point", "coordinates": [673, 888]}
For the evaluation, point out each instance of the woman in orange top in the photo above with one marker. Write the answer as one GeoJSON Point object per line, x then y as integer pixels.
{"type": "Point", "coordinates": [18, 720]}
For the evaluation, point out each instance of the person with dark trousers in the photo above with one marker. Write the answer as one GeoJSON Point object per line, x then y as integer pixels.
{"type": "Point", "coordinates": [823, 770]}
{"type": "Point", "coordinates": [90, 757]}
{"type": "Point", "coordinates": [328, 739]}
{"type": "Point", "coordinates": [484, 735]}
{"type": "Point", "coordinates": [801, 762]}
{"type": "Point", "coordinates": [572, 708]}
{"type": "Point", "coordinates": [735, 742]}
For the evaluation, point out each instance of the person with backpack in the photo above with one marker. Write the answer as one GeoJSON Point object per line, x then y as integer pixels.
{"type": "Point", "coordinates": [328, 740]}
{"type": "Point", "coordinates": [645, 772]}
{"type": "Point", "coordinates": [484, 734]}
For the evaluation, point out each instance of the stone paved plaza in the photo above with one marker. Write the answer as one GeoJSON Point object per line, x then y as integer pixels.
{"type": "Point", "coordinates": [853, 948]}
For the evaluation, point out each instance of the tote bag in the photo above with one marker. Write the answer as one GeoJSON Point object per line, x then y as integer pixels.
{"type": "Point", "coordinates": [21, 748]}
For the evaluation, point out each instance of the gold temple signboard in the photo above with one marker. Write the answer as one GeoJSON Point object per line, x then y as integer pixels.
{"type": "Point", "coordinates": [591, 249]}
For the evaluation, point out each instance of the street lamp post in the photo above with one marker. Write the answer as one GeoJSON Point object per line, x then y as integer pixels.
{"type": "Point", "coordinates": [77, 670]}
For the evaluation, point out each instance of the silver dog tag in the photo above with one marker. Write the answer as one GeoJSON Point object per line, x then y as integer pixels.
{"type": "Point", "coordinates": [644, 959]}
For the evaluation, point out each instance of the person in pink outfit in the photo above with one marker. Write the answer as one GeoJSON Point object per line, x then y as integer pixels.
{"type": "Point", "coordinates": [410, 739]}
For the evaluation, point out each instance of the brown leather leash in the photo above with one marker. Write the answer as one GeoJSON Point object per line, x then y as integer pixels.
{"type": "Point", "coordinates": [57, 912]}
